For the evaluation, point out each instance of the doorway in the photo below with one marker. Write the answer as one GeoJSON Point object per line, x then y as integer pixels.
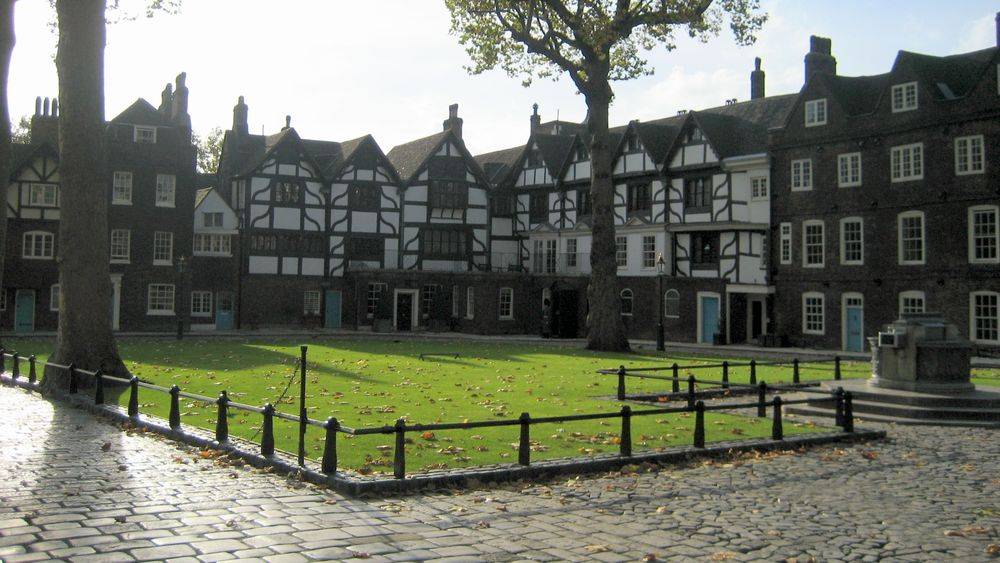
{"type": "Point", "coordinates": [756, 318]}
{"type": "Point", "coordinates": [708, 317]}
{"type": "Point", "coordinates": [24, 311]}
{"type": "Point", "coordinates": [404, 309]}
{"type": "Point", "coordinates": [854, 322]}
{"type": "Point", "coordinates": [224, 311]}
{"type": "Point", "coordinates": [331, 318]}
{"type": "Point", "coordinates": [116, 301]}
{"type": "Point", "coordinates": [564, 313]}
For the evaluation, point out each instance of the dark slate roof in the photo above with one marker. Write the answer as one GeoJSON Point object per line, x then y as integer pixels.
{"type": "Point", "coordinates": [205, 181]}
{"type": "Point", "coordinates": [498, 164]}
{"type": "Point", "coordinates": [958, 73]}
{"type": "Point", "coordinates": [329, 155]}
{"type": "Point", "coordinates": [21, 154]}
{"type": "Point", "coordinates": [741, 128]}
{"type": "Point", "coordinates": [555, 150]}
{"type": "Point", "coordinates": [142, 112]}
{"type": "Point", "coordinates": [559, 127]}
{"type": "Point", "coordinates": [408, 157]}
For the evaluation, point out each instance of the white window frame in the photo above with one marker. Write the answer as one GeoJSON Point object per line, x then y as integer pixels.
{"type": "Point", "coordinates": [211, 244]}
{"type": "Point", "coordinates": [785, 243]}
{"type": "Point", "coordinates": [843, 241]}
{"type": "Point", "coordinates": [805, 243]}
{"type": "Point", "coordinates": [121, 185]}
{"type": "Point", "coordinates": [648, 254]}
{"type": "Point", "coordinates": [799, 178]}
{"type": "Point", "coordinates": [815, 112]}
{"type": "Point", "coordinates": [55, 291]}
{"type": "Point", "coordinates": [805, 313]}
{"type": "Point", "coordinates": [923, 238]}
{"type": "Point", "coordinates": [973, 238]}
{"type": "Point", "coordinates": [127, 257]}
{"type": "Point", "coordinates": [139, 130]}
{"type": "Point", "coordinates": [759, 187]}
{"type": "Point", "coordinates": [912, 294]}
{"type": "Point", "coordinates": [158, 238]}
{"type": "Point", "coordinates": [973, 318]}
{"type": "Point", "coordinates": [312, 303]}
{"type": "Point", "coordinates": [45, 236]}
{"type": "Point", "coordinates": [623, 295]}
{"type": "Point", "coordinates": [201, 303]}
{"type": "Point", "coordinates": [897, 171]}
{"type": "Point", "coordinates": [621, 252]}
{"type": "Point", "coordinates": [965, 163]}
{"type": "Point", "coordinates": [169, 290]}
{"type": "Point", "coordinates": [845, 170]}
{"type": "Point", "coordinates": [507, 292]}
{"type": "Point", "coordinates": [667, 298]}
{"type": "Point", "coordinates": [42, 190]}
{"type": "Point", "coordinates": [905, 104]}
{"type": "Point", "coordinates": [572, 246]}
{"type": "Point", "coordinates": [470, 303]}
{"type": "Point", "coordinates": [213, 214]}
{"type": "Point", "coordinates": [166, 190]}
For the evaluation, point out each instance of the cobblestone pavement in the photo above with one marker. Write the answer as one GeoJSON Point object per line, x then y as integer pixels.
{"type": "Point", "coordinates": [73, 487]}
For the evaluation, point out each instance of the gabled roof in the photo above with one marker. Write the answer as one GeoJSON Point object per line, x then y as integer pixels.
{"type": "Point", "coordinates": [958, 73]}
{"type": "Point", "coordinates": [498, 164]}
{"type": "Point", "coordinates": [741, 128]}
{"type": "Point", "coordinates": [657, 137]}
{"type": "Point", "coordinates": [22, 154]}
{"type": "Point", "coordinates": [856, 95]}
{"type": "Point", "coordinates": [142, 112]}
{"type": "Point", "coordinates": [409, 157]}
{"type": "Point", "coordinates": [555, 151]}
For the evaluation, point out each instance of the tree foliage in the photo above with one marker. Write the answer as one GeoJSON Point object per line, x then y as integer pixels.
{"type": "Point", "coordinates": [22, 131]}
{"type": "Point", "coordinates": [209, 150]}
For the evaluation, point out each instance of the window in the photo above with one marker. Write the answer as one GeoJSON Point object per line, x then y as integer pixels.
{"type": "Point", "coordinates": [310, 303]}
{"type": "Point", "coordinates": [904, 97]}
{"type": "Point", "coordinates": [54, 294]}
{"type": "Point", "coordinates": [201, 303]}
{"type": "Point", "coordinates": [816, 112]}
{"type": "Point", "coordinates": [705, 249]}
{"type": "Point", "coordinates": [632, 144]}
{"type": "Point", "coordinates": [470, 302]}
{"type": "Point", "coordinates": [121, 189]}
{"type": "Point", "coordinates": [907, 162]}
{"type": "Point", "coordinates": [365, 248]}
{"type": "Point", "coordinates": [812, 244]}
{"type": "Point", "coordinates": [506, 303]}
{"type": "Point", "coordinates": [538, 207]}
{"type": "Point", "coordinates": [501, 206]}
{"type": "Point", "coordinates": [372, 298]}
{"type": "Point", "coordinates": [211, 244]}
{"type": "Point", "coordinates": [163, 248]}
{"type": "Point", "coordinates": [365, 198]}
{"type": "Point", "coordinates": [849, 170]}
{"type": "Point", "coordinates": [984, 316]}
{"type": "Point", "coordinates": [263, 243]}
{"type": "Point", "coordinates": [984, 234]}
{"type": "Point", "coordinates": [427, 295]}
{"type": "Point", "coordinates": [852, 251]}
{"type": "Point", "coordinates": [454, 301]}
{"type": "Point", "coordinates": [582, 153]}
{"type": "Point", "coordinates": [813, 313]}
{"type": "Point", "coordinates": [43, 195]}
{"type": "Point", "coordinates": [444, 243]}
{"type": "Point", "coordinates": [583, 202]}
{"type": "Point", "coordinates": [969, 158]}
{"type": "Point", "coordinates": [626, 302]}
{"type": "Point", "coordinates": [638, 198]}
{"type": "Point", "coordinates": [121, 245]}
{"type": "Point", "coordinates": [785, 243]}
{"type": "Point", "coordinates": [537, 257]}
{"type": "Point", "coordinates": [621, 251]}
{"type": "Point", "coordinates": [166, 185]}
{"type": "Point", "coordinates": [698, 194]}
{"type": "Point", "coordinates": [672, 304]}
{"type": "Point", "coordinates": [911, 237]}
{"type": "Point", "coordinates": [758, 187]}
{"type": "Point", "coordinates": [448, 195]}
{"type": "Point", "coordinates": [287, 192]}
{"type": "Point", "coordinates": [38, 245]}
{"type": "Point", "coordinates": [911, 302]}
{"type": "Point", "coordinates": [160, 299]}
{"type": "Point", "coordinates": [649, 251]}
{"type": "Point", "coordinates": [571, 248]}
{"type": "Point", "coordinates": [802, 174]}
{"type": "Point", "coordinates": [144, 134]}
{"type": "Point", "coordinates": [212, 219]}
{"type": "Point", "coordinates": [550, 256]}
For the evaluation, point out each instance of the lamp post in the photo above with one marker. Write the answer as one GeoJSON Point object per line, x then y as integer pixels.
{"type": "Point", "coordinates": [659, 292]}
{"type": "Point", "coordinates": [181, 269]}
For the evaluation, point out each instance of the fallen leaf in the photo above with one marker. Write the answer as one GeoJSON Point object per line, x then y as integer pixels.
{"type": "Point", "coordinates": [598, 548]}
{"type": "Point", "coordinates": [106, 446]}
{"type": "Point", "coordinates": [869, 454]}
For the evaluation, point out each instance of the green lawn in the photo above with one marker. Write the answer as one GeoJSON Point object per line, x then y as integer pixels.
{"type": "Point", "coordinates": [372, 382]}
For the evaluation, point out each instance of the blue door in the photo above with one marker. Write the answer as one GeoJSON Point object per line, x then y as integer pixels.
{"type": "Point", "coordinates": [24, 311]}
{"type": "Point", "coordinates": [332, 316]}
{"type": "Point", "coordinates": [709, 318]}
{"type": "Point", "coordinates": [855, 325]}
{"type": "Point", "coordinates": [224, 311]}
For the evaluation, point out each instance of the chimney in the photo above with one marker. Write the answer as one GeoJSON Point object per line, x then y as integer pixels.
{"type": "Point", "coordinates": [288, 123]}
{"type": "Point", "coordinates": [240, 112]}
{"type": "Point", "coordinates": [756, 81]}
{"type": "Point", "coordinates": [819, 59]}
{"type": "Point", "coordinates": [454, 122]}
{"type": "Point", "coordinates": [45, 122]}
{"type": "Point", "coordinates": [167, 100]}
{"type": "Point", "coordinates": [179, 113]}
{"type": "Point", "coordinates": [536, 120]}
{"type": "Point", "coordinates": [998, 28]}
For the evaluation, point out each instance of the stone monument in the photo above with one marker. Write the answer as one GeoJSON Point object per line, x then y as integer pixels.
{"type": "Point", "coordinates": [924, 353]}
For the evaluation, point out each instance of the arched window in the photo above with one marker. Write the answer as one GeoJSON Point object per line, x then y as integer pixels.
{"type": "Point", "coordinates": [672, 304]}
{"type": "Point", "coordinates": [626, 299]}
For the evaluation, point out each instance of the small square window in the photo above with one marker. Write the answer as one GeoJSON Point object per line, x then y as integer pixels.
{"type": "Point", "coordinates": [802, 176]}
{"type": "Point", "coordinates": [849, 170]}
{"type": "Point", "coordinates": [816, 112]}
{"type": "Point", "coordinates": [310, 303]}
{"type": "Point", "coordinates": [144, 134]}
{"type": "Point", "coordinates": [904, 97]}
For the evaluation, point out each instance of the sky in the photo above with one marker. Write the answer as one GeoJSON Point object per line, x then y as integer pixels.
{"type": "Point", "coordinates": [390, 68]}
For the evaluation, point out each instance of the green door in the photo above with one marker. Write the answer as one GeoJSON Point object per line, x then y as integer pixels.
{"type": "Point", "coordinates": [24, 311]}
{"type": "Point", "coordinates": [332, 316]}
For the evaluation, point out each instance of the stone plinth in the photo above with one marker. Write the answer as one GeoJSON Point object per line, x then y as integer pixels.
{"type": "Point", "coordinates": [923, 353]}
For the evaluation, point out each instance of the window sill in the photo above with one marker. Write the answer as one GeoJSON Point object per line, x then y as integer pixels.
{"type": "Point", "coordinates": [906, 179]}
{"type": "Point", "coordinates": [852, 263]}
{"type": "Point", "coordinates": [921, 263]}
{"type": "Point", "coordinates": [850, 185]}
{"type": "Point", "coordinates": [802, 189]}
{"type": "Point", "coordinates": [814, 333]}
{"type": "Point", "coordinates": [160, 313]}
{"type": "Point", "coordinates": [162, 263]}
{"type": "Point", "coordinates": [970, 173]}
{"type": "Point", "coordinates": [119, 261]}
{"type": "Point", "coordinates": [201, 315]}
{"type": "Point", "coordinates": [123, 203]}
{"type": "Point", "coordinates": [169, 206]}
{"type": "Point", "coordinates": [212, 254]}
{"type": "Point", "coordinates": [506, 318]}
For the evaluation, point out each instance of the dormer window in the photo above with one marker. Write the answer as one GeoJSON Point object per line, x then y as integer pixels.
{"type": "Point", "coordinates": [144, 134]}
{"type": "Point", "coordinates": [904, 97]}
{"type": "Point", "coordinates": [633, 143]}
{"type": "Point", "coordinates": [816, 112]}
{"type": "Point", "coordinates": [693, 135]}
{"type": "Point", "coordinates": [581, 153]}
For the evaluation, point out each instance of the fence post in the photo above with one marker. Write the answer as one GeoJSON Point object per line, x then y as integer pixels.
{"type": "Point", "coordinates": [626, 437]}
{"type": "Point", "coordinates": [836, 368]}
{"type": "Point", "coordinates": [133, 398]}
{"type": "Point", "coordinates": [32, 374]}
{"type": "Point", "coordinates": [16, 367]}
{"type": "Point", "coordinates": [690, 391]}
{"type": "Point", "coordinates": [267, 436]}
{"type": "Point", "coordinates": [699, 424]}
{"type": "Point", "coordinates": [74, 385]}
{"type": "Point", "coordinates": [621, 383]}
{"type": "Point", "coordinates": [399, 461]}
{"type": "Point", "coordinates": [677, 383]}
{"type": "Point", "coordinates": [524, 445]}
{"type": "Point", "coordinates": [222, 421]}
{"type": "Point", "coordinates": [175, 408]}
{"type": "Point", "coordinates": [302, 406]}
{"type": "Point", "coordinates": [725, 374]}
{"type": "Point", "coordinates": [795, 370]}
{"type": "Point", "coordinates": [777, 432]}
{"type": "Point", "coordinates": [753, 372]}
{"type": "Point", "coordinates": [98, 388]}
{"type": "Point", "coordinates": [848, 412]}
{"type": "Point", "coordinates": [838, 396]}
{"type": "Point", "coordinates": [762, 400]}
{"type": "Point", "coordinates": [330, 447]}
{"type": "Point", "coordinates": [3, 357]}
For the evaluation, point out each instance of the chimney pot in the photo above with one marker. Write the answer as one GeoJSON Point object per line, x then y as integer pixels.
{"type": "Point", "coordinates": [454, 122]}
{"type": "Point", "coordinates": [756, 81]}
{"type": "Point", "coordinates": [288, 122]}
{"type": "Point", "coordinates": [38, 105]}
{"type": "Point", "coordinates": [45, 107]}
{"type": "Point", "coordinates": [453, 111]}
{"type": "Point", "coordinates": [819, 57]}
{"type": "Point", "coordinates": [55, 107]}
{"type": "Point", "coordinates": [240, 112]}
{"type": "Point", "coordinates": [998, 28]}
{"type": "Point", "coordinates": [536, 120]}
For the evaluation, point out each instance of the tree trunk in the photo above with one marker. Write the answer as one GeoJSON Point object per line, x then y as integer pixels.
{"type": "Point", "coordinates": [85, 337]}
{"type": "Point", "coordinates": [605, 330]}
{"type": "Point", "coordinates": [6, 48]}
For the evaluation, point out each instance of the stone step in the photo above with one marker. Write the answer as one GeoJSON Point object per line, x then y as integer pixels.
{"type": "Point", "coordinates": [820, 412]}
{"type": "Point", "coordinates": [978, 399]}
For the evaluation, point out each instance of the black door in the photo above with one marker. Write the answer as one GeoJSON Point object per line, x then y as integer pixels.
{"type": "Point", "coordinates": [404, 311]}
{"type": "Point", "coordinates": [757, 318]}
{"type": "Point", "coordinates": [565, 313]}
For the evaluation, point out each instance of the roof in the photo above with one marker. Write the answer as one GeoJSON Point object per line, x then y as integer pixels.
{"type": "Point", "coordinates": [958, 73]}
{"type": "Point", "coordinates": [555, 150]}
{"type": "Point", "coordinates": [143, 113]}
{"type": "Point", "coordinates": [741, 128]}
{"type": "Point", "coordinates": [21, 154]}
{"type": "Point", "coordinates": [409, 157]}
{"type": "Point", "coordinates": [200, 195]}
{"type": "Point", "coordinates": [498, 164]}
